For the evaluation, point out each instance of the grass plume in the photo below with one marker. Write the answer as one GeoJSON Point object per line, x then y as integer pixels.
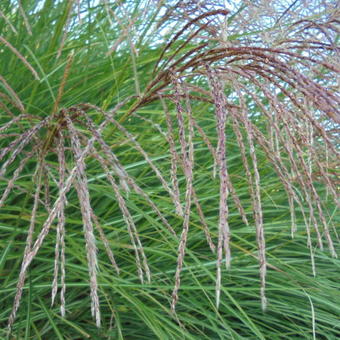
{"type": "Point", "coordinates": [149, 159]}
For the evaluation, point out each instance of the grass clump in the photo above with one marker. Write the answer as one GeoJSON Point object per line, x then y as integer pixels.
{"type": "Point", "coordinates": [209, 156]}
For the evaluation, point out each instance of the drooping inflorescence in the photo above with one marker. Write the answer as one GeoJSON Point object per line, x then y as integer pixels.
{"type": "Point", "coordinates": [270, 99]}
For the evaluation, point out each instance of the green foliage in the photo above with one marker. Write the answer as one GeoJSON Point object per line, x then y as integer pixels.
{"type": "Point", "coordinates": [155, 63]}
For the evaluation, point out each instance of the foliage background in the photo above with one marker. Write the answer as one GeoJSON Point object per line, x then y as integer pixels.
{"type": "Point", "coordinates": [116, 46]}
